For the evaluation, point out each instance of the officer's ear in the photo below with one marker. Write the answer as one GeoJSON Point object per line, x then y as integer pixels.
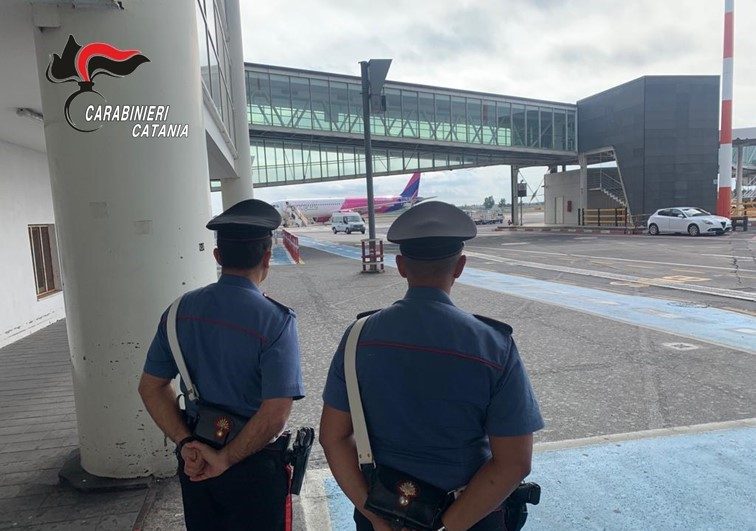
{"type": "Point", "coordinates": [401, 266]}
{"type": "Point", "coordinates": [460, 266]}
{"type": "Point", "coordinates": [267, 255]}
{"type": "Point", "coordinates": [217, 256]}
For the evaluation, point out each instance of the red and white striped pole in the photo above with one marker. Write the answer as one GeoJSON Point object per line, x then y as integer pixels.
{"type": "Point", "coordinates": [724, 199]}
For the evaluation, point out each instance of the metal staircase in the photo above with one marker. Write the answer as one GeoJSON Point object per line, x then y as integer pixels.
{"type": "Point", "coordinates": [294, 217]}
{"type": "Point", "coordinates": [609, 185]}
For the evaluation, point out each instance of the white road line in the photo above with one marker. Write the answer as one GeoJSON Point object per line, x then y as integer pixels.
{"type": "Point", "coordinates": [730, 256]}
{"type": "Point", "coordinates": [314, 501]}
{"type": "Point", "coordinates": [657, 282]}
{"type": "Point", "coordinates": [731, 268]}
{"type": "Point", "coordinates": [645, 434]}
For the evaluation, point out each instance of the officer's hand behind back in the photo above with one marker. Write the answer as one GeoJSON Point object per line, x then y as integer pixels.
{"type": "Point", "coordinates": [215, 462]}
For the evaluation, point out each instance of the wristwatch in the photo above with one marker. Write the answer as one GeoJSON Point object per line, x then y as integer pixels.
{"type": "Point", "coordinates": [182, 442]}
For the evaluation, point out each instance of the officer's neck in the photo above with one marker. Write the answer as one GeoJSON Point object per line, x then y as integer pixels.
{"type": "Point", "coordinates": [256, 275]}
{"type": "Point", "coordinates": [444, 285]}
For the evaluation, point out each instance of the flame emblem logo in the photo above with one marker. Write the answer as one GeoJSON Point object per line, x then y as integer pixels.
{"type": "Point", "coordinates": [81, 64]}
{"type": "Point", "coordinates": [222, 427]}
{"type": "Point", "coordinates": [407, 492]}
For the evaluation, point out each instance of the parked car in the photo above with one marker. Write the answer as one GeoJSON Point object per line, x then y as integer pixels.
{"type": "Point", "coordinates": [347, 221]}
{"type": "Point", "coordinates": [691, 220]}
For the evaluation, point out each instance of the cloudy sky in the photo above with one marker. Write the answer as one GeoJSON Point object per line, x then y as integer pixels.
{"type": "Point", "coordinates": [559, 50]}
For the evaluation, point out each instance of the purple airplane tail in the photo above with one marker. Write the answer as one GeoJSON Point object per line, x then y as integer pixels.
{"type": "Point", "coordinates": [413, 187]}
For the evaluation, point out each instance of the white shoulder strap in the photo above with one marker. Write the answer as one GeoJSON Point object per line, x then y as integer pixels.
{"type": "Point", "coordinates": [364, 452]}
{"type": "Point", "coordinates": [178, 356]}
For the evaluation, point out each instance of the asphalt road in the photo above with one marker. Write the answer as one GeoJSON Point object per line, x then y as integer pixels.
{"type": "Point", "coordinates": [593, 375]}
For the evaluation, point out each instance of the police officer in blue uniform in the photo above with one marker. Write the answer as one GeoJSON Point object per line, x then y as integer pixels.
{"type": "Point", "coordinates": [445, 393]}
{"type": "Point", "coordinates": [242, 354]}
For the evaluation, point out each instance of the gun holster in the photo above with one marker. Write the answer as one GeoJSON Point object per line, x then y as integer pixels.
{"type": "Point", "coordinates": [298, 454]}
{"type": "Point", "coordinates": [515, 506]}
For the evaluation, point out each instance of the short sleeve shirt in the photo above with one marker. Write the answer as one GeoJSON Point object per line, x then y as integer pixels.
{"type": "Point", "coordinates": [436, 382]}
{"type": "Point", "coordinates": [239, 346]}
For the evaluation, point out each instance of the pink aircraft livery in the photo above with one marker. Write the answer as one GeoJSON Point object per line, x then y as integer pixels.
{"type": "Point", "coordinates": [321, 209]}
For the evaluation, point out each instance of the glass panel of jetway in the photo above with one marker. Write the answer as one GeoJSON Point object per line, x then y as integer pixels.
{"type": "Point", "coordinates": [321, 104]}
{"type": "Point", "coordinates": [279, 162]}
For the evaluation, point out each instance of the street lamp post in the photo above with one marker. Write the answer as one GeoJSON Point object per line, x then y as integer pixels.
{"type": "Point", "coordinates": [365, 71]}
{"type": "Point", "coordinates": [373, 73]}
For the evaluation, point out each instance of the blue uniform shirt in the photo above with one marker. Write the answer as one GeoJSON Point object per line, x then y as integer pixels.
{"type": "Point", "coordinates": [435, 382]}
{"type": "Point", "coordinates": [239, 346]}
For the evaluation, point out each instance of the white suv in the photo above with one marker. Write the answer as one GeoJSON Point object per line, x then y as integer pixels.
{"type": "Point", "coordinates": [694, 221]}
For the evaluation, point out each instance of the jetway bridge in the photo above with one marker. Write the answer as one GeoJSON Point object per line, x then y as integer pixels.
{"type": "Point", "coordinates": [307, 126]}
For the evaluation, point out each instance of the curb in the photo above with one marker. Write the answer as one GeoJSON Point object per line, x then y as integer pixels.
{"type": "Point", "coordinates": [575, 230]}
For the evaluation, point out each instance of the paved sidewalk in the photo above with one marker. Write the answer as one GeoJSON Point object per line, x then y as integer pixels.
{"type": "Point", "coordinates": [694, 478]}
{"type": "Point", "coordinates": [37, 434]}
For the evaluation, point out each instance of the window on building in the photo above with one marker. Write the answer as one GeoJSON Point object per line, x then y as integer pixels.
{"type": "Point", "coordinates": [44, 257]}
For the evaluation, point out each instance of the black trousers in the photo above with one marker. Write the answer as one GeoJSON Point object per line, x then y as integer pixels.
{"type": "Point", "coordinates": [492, 522]}
{"type": "Point", "coordinates": [251, 495]}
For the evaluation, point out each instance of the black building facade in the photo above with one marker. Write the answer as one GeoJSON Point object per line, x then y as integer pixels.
{"type": "Point", "coordinates": [665, 133]}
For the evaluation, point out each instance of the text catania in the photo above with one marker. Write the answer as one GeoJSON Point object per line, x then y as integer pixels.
{"type": "Point", "coordinates": [151, 119]}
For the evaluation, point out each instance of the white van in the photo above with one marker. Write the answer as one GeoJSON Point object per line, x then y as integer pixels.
{"type": "Point", "coordinates": [347, 221]}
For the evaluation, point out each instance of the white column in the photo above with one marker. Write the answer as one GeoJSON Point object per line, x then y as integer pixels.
{"type": "Point", "coordinates": [583, 162]}
{"type": "Point", "coordinates": [130, 215]}
{"type": "Point", "coordinates": [235, 190]}
{"type": "Point", "coordinates": [739, 179]}
{"type": "Point", "coordinates": [515, 210]}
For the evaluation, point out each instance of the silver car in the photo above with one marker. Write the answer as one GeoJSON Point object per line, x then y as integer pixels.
{"type": "Point", "coordinates": [691, 220]}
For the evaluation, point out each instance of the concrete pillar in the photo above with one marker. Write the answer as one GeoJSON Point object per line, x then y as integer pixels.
{"type": "Point", "coordinates": [130, 215]}
{"type": "Point", "coordinates": [583, 162]}
{"type": "Point", "coordinates": [514, 170]}
{"type": "Point", "coordinates": [739, 179]}
{"type": "Point", "coordinates": [235, 190]}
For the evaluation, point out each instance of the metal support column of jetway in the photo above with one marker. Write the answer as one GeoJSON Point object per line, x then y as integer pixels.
{"type": "Point", "coordinates": [235, 190]}
{"type": "Point", "coordinates": [513, 172]}
{"type": "Point", "coordinates": [739, 179]}
{"type": "Point", "coordinates": [583, 162]}
{"type": "Point", "coordinates": [130, 217]}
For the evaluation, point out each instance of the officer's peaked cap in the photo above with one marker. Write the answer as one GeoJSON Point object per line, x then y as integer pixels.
{"type": "Point", "coordinates": [247, 220]}
{"type": "Point", "coordinates": [432, 230]}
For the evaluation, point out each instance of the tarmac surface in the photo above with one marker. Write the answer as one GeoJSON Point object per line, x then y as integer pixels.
{"type": "Point", "coordinates": [605, 356]}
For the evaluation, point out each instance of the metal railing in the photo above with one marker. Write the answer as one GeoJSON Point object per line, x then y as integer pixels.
{"type": "Point", "coordinates": [372, 255]}
{"type": "Point", "coordinates": [609, 185]}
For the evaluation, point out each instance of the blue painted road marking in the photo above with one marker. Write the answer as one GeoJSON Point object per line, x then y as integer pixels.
{"type": "Point", "coordinates": [708, 325]}
{"type": "Point", "coordinates": [280, 256]}
{"type": "Point", "coordinates": [699, 481]}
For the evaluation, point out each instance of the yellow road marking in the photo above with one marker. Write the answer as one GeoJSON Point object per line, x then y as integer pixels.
{"type": "Point", "coordinates": [683, 279]}
{"type": "Point", "coordinates": [740, 310]}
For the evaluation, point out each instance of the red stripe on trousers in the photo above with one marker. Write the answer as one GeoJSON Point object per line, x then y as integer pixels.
{"type": "Point", "coordinates": [288, 517]}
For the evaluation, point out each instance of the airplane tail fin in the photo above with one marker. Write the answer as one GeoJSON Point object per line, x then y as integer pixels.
{"type": "Point", "coordinates": [413, 187]}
